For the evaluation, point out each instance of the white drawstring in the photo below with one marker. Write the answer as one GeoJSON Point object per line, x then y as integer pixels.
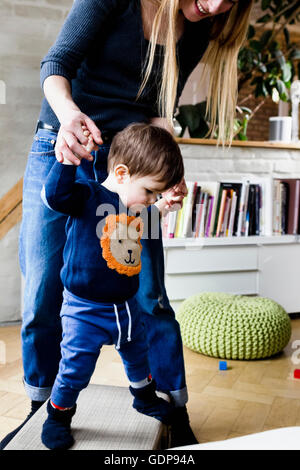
{"type": "Point", "coordinates": [129, 322]}
{"type": "Point", "coordinates": [118, 325]}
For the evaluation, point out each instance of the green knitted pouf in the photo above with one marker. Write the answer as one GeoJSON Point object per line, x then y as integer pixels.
{"type": "Point", "coordinates": [233, 326]}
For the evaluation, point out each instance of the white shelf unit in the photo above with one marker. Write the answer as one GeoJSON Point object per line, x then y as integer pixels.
{"type": "Point", "coordinates": [266, 266]}
{"type": "Point", "coordinates": [256, 265]}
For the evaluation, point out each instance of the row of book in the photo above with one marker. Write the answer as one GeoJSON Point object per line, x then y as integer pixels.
{"type": "Point", "coordinates": [250, 206]}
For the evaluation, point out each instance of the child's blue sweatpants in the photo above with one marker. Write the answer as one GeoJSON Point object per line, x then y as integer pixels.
{"type": "Point", "coordinates": [86, 327]}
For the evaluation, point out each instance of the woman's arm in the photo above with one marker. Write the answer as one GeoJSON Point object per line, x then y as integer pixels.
{"type": "Point", "coordinates": [74, 43]}
{"type": "Point", "coordinates": [76, 39]}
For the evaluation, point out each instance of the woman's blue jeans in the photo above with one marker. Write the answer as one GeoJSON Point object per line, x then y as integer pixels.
{"type": "Point", "coordinates": [42, 239]}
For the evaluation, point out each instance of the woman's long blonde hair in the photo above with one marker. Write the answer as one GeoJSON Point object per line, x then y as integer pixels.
{"type": "Point", "coordinates": [227, 35]}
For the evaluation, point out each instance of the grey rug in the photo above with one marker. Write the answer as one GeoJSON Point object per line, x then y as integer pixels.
{"type": "Point", "coordinates": [105, 420]}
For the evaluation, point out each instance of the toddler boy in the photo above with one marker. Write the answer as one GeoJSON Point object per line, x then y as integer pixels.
{"type": "Point", "coordinates": [102, 260]}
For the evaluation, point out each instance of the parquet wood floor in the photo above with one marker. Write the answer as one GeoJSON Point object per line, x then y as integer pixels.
{"type": "Point", "coordinates": [250, 397]}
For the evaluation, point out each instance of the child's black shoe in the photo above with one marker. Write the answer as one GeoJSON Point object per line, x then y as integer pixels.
{"type": "Point", "coordinates": [147, 402]}
{"type": "Point", "coordinates": [56, 432]}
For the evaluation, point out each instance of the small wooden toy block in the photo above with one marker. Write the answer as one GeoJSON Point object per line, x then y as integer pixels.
{"type": "Point", "coordinates": [297, 374]}
{"type": "Point", "coordinates": [222, 365]}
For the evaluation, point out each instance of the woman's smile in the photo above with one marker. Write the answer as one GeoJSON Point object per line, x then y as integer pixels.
{"type": "Point", "coordinates": [195, 10]}
{"type": "Point", "coordinates": [201, 10]}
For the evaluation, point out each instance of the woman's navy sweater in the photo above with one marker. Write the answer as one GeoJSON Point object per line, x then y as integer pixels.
{"type": "Point", "coordinates": [101, 50]}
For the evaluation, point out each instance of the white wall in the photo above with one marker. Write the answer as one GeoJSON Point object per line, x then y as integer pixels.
{"type": "Point", "coordinates": [10, 277]}
{"type": "Point", "coordinates": [27, 30]}
{"type": "Point", "coordinates": [209, 163]}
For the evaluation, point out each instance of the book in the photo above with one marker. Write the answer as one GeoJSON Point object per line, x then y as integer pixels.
{"type": "Point", "coordinates": [203, 215]}
{"type": "Point", "coordinates": [292, 205]}
{"type": "Point", "coordinates": [199, 214]}
{"type": "Point", "coordinates": [195, 209]}
{"type": "Point", "coordinates": [209, 215]}
{"type": "Point", "coordinates": [221, 211]}
{"type": "Point", "coordinates": [244, 214]}
{"type": "Point", "coordinates": [178, 222]}
{"type": "Point", "coordinates": [284, 206]}
{"type": "Point", "coordinates": [217, 212]}
{"type": "Point", "coordinates": [224, 227]}
{"type": "Point", "coordinates": [188, 209]}
{"type": "Point", "coordinates": [183, 216]}
{"type": "Point", "coordinates": [251, 211]}
{"type": "Point", "coordinates": [171, 217]}
{"type": "Point", "coordinates": [232, 216]}
{"type": "Point", "coordinates": [276, 208]}
{"type": "Point", "coordinates": [258, 207]}
{"type": "Point", "coordinates": [212, 188]}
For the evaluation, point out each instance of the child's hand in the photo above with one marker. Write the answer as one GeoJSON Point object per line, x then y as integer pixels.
{"type": "Point", "coordinates": [174, 196]}
{"type": "Point", "coordinates": [169, 204]}
{"type": "Point", "coordinates": [173, 203]}
{"type": "Point", "coordinates": [89, 147]}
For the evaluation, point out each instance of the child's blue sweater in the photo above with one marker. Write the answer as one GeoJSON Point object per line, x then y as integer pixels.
{"type": "Point", "coordinates": [85, 272]}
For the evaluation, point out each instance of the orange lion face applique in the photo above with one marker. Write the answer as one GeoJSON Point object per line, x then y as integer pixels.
{"type": "Point", "coordinates": [120, 242]}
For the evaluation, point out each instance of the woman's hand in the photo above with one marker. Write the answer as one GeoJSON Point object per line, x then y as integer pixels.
{"type": "Point", "coordinates": [174, 196]}
{"type": "Point", "coordinates": [78, 136]}
{"type": "Point", "coordinates": [70, 138]}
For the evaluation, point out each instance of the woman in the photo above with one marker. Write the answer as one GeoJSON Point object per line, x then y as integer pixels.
{"type": "Point", "coordinates": [113, 63]}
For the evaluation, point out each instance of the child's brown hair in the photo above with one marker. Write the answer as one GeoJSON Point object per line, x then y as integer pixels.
{"type": "Point", "coordinates": [147, 150]}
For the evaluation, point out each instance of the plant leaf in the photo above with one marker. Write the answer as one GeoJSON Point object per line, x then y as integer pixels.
{"type": "Point", "coordinates": [265, 37]}
{"type": "Point", "coordinates": [286, 72]}
{"type": "Point", "coordinates": [193, 117]}
{"type": "Point", "coordinates": [265, 4]}
{"type": "Point", "coordinates": [275, 95]}
{"type": "Point", "coordinates": [287, 36]}
{"type": "Point", "coordinates": [256, 45]}
{"type": "Point", "coordinates": [280, 58]}
{"type": "Point", "coordinates": [264, 19]}
{"type": "Point", "coordinates": [280, 87]}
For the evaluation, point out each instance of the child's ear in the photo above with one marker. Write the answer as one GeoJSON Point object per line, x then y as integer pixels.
{"type": "Point", "coordinates": [122, 173]}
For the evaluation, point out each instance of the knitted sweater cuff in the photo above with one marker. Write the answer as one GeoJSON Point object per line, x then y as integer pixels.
{"type": "Point", "coordinates": [53, 68]}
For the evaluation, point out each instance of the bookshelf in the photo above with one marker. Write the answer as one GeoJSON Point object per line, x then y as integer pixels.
{"type": "Point", "coordinates": [243, 144]}
{"type": "Point", "coordinates": [268, 266]}
{"type": "Point", "coordinates": [251, 240]}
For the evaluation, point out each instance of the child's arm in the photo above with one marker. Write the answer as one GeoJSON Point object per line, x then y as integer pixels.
{"type": "Point", "coordinates": [62, 193]}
